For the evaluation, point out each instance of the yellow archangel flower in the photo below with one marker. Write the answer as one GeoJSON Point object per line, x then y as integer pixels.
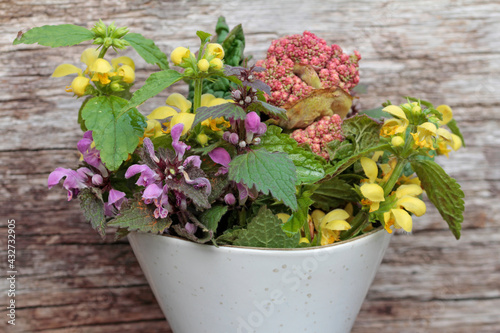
{"type": "Point", "coordinates": [447, 114]}
{"type": "Point", "coordinates": [80, 83]}
{"type": "Point", "coordinates": [406, 200]}
{"type": "Point", "coordinates": [445, 139]}
{"type": "Point", "coordinates": [332, 224]}
{"type": "Point", "coordinates": [373, 192]}
{"type": "Point", "coordinates": [424, 136]}
{"type": "Point", "coordinates": [179, 55]}
{"type": "Point", "coordinates": [214, 50]}
{"type": "Point", "coordinates": [394, 126]}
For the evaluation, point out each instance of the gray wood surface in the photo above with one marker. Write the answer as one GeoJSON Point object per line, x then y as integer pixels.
{"type": "Point", "coordinates": [448, 52]}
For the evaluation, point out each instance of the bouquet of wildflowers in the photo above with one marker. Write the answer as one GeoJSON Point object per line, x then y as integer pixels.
{"type": "Point", "coordinates": [265, 155]}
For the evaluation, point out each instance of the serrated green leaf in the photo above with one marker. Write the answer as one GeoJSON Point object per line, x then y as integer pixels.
{"type": "Point", "coordinates": [268, 109]}
{"type": "Point", "coordinates": [204, 36]}
{"type": "Point", "coordinates": [147, 49]}
{"type": "Point", "coordinates": [55, 35]}
{"type": "Point", "coordinates": [309, 166]}
{"type": "Point", "coordinates": [198, 196]}
{"type": "Point", "coordinates": [115, 137]}
{"type": "Point", "coordinates": [452, 125]}
{"type": "Point", "coordinates": [362, 130]}
{"type": "Point", "coordinates": [211, 217]}
{"type": "Point", "coordinates": [443, 191]}
{"type": "Point", "coordinates": [343, 164]}
{"type": "Point", "coordinates": [264, 230]}
{"type": "Point", "coordinates": [331, 193]}
{"type": "Point", "coordinates": [268, 172]}
{"type": "Point", "coordinates": [93, 209]}
{"type": "Point", "coordinates": [140, 217]}
{"type": "Point", "coordinates": [299, 217]}
{"type": "Point", "coordinates": [155, 84]}
{"type": "Point", "coordinates": [227, 110]}
{"type": "Point", "coordinates": [229, 237]}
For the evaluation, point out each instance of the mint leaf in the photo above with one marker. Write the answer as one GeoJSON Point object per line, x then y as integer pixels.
{"type": "Point", "coordinates": [140, 217]}
{"type": "Point", "coordinates": [155, 84]}
{"type": "Point", "coordinates": [268, 109]}
{"type": "Point", "coordinates": [227, 110]}
{"type": "Point", "coordinates": [55, 35]}
{"type": "Point", "coordinates": [211, 217]}
{"type": "Point", "coordinates": [362, 130]}
{"type": "Point", "coordinates": [93, 209]}
{"type": "Point", "coordinates": [264, 230]}
{"type": "Point", "coordinates": [309, 166]}
{"type": "Point", "coordinates": [443, 191]}
{"type": "Point", "coordinates": [115, 137]}
{"type": "Point", "coordinates": [234, 45]}
{"type": "Point", "coordinates": [332, 193]}
{"type": "Point", "coordinates": [147, 49]}
{"type": "Point", "coordinates": [268, 172]}
{"type": "Point", "coordinates": [299, 217]}
{"type": "Point", "coordinates": [229, 237]}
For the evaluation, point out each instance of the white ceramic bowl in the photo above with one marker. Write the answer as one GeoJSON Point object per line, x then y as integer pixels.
{"type": "Point", "coordinates": [201, 288]}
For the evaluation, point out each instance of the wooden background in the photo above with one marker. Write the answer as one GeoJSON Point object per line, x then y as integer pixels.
{"type": "Point", "coordinates": [69, 280]}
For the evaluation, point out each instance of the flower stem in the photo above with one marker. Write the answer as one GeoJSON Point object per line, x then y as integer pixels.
{"type": "Point", "coordinates": [359, 222]}
{"type": "Point", "coordinates": [396, 173]}
{"type": "Point", "coordinates": [103, 51]}
{"type": "Point", "coordinates": [198, 87]}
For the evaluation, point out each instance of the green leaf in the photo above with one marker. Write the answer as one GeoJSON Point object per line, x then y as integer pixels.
{"type": "Point", "coordinates": [376, 113]}
{"type": "Point", "coordinates": [268, 109]}
{"type": "Point", "coordinates": [211, 217]}
{"type": "Point", "coordinates": [299, 217]}
{"type": "Point", "coordinates": [93, 209]}
{"type": "Point", "coordinates": [227, 110]}
{"type": "Point", "coordinates": [234, 45]}
{"type": "Point", "coordinates": [55, 35]}
{"type": "Point", "coordinates": [198, 196]}
{"type": "Point", "coordinates": [344, 163]}
{"type": "Point", "coordinates": [115, 137]}
{"type": "Point", "coordinates": [147, 49]}
{"type": "Point", "coordinates": [362, 130]}
{"type": "Point", "coordinates": [268, 172]}
{"type": "Point", "coordinates": [140, 217]}
{"type": "Point", "coordinates": [309, 166]}
{"type": "Point", "coordinates": [443, 191]}
{"type": "Point", "coordinates": [229, 237]}
{"type": "Point", "coordinates": [264, 230]}
{"type": "Point", "coordinates": [331, 193]}
{"type": "Point", "coordinates": [155, 84]}
{"type": "Point", "coordinates": [80, 119]}
{"type": "Point", "coordinates": [452, 125]}
{"type": "Point", "coordinates": [204, 36]}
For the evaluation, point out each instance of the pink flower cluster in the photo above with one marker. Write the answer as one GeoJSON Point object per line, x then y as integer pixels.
{"type": "Point", "coordinates": [334, 68]}
{"type": "Point", "coordinates": [319, 133]}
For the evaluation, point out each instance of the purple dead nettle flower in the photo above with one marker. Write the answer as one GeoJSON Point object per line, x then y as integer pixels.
{"type": "Point", "coordinates": [167, 169]}
{"type": "Point", "coordinates": [95, 175]}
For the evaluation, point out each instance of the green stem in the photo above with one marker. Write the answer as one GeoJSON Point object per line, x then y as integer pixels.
{"type": "Point", "coordinates": [198, 87]}
{"type": "Point", "coordinates": [396, 173]}
{"type": "Point", "coordinates": [103, 51]}
{"type": "Point", "coordinates": [359, 222]}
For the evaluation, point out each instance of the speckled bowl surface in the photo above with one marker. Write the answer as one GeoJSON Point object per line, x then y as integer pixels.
{"type": "Point", "coordinates": [202, 288]}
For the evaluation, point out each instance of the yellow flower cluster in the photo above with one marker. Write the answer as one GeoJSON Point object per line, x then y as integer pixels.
{"type": "Point", "coordinates": [428, 134]}
{"type": "Point", "coordinates": [211, 59]}
{"type": "Point", "coordinates": [121, 69]}
{"type": "Point", "coordinates": [178, 110]}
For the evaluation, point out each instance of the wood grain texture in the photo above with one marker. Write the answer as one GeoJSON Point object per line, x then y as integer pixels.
{"type": "Point", "coordinates": [444, 51]}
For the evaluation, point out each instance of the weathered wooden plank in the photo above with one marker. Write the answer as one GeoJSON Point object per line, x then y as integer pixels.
{"type": "Point", "coordinates": [445, 51]}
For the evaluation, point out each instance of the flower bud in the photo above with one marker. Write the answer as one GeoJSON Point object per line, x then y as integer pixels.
{"type": "Point", "coordinates": [120, 32]}
{"type": "Point", "coordinates": [99, 29]}
{"type": "Point", "coordinates": [229, 199]}
{"type": "Point", "coordinates": [189, 71]}
{"type": "Point", "coordinates": [97, 179]}
{"type": "Point", "coordinates": [202, 138]}
{"type": "Point", "coordinates": [116, 87]}
{"type": "Point", "coordinates": [236, 94]}
{"type": "Point", "coordinates": [216, 63]}
{"type": "Point", "coordinates": [216, 50]}
{"type": "Point", "coordinates": [226, 136]}
{"type": "Point", "coordinates": [397, 141]}
{"type": "Point", "coordinates": [79, 85]}
{"type": "Point", "coordinates": [203, 65]}
{"type": "Point", "coordinates": [120, 43]}
{"type": "Point", "coordinates": [108, 41]}
{"type": "Point", "coordinates": [179, 54]}
{"type": "Point", "coordinates": [127, 73]}
{"type": "Point", "coordinates": [233, 138]}
{"type": "Point", "coordinates": [252, 122]}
